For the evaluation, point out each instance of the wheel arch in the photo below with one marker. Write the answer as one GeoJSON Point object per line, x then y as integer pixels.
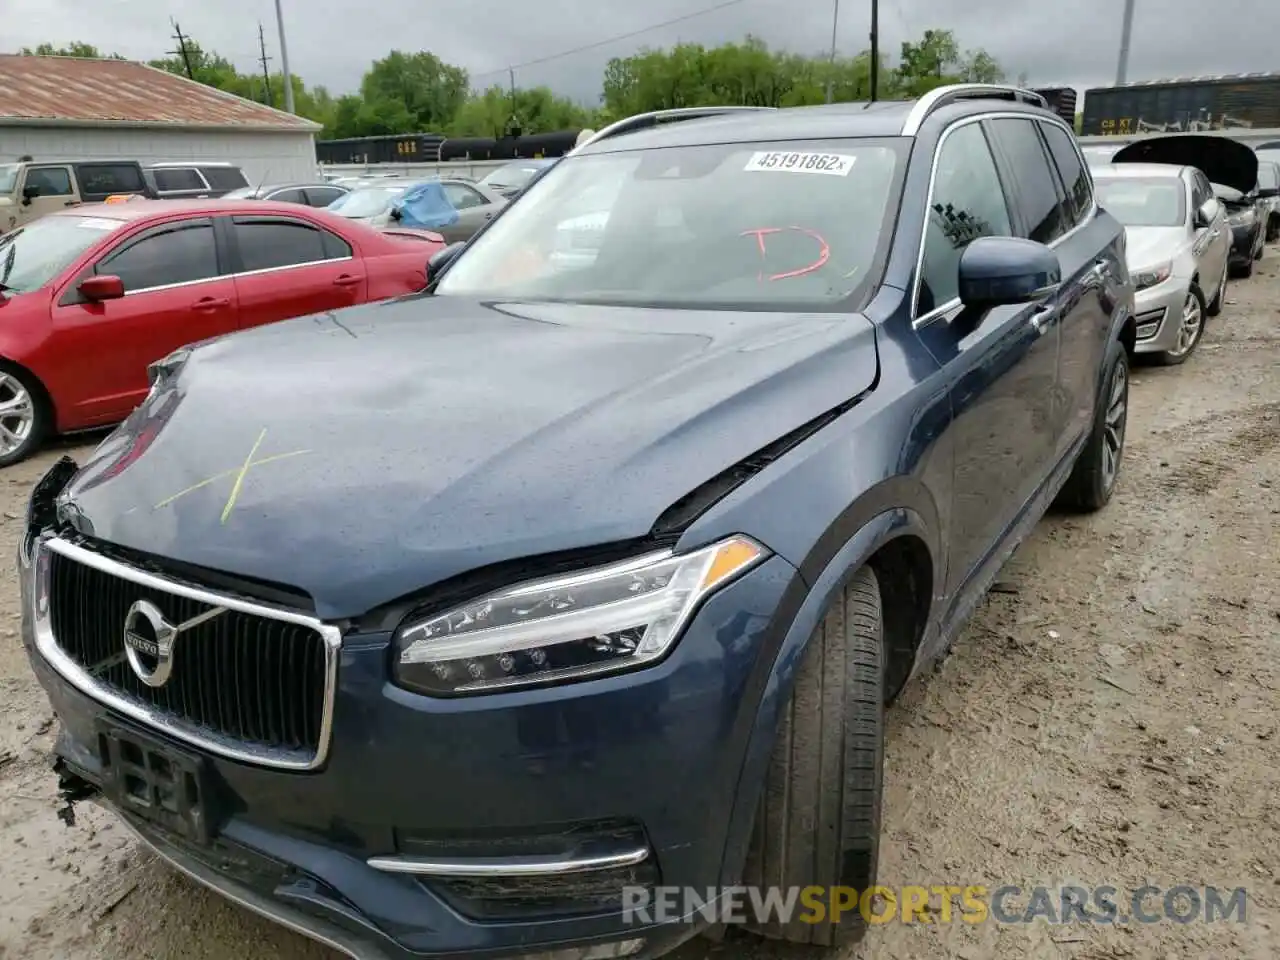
{"type": "Point", "coordinates": [900, 546]}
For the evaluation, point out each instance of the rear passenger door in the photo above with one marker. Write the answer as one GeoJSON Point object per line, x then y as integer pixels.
{"type": "Point", "coordinates": [1091, 269]}
{"type": "Point", "coordinates": [473, 209]}
{"type": "Point", "coordinates": [1002, 366]}
{"type": "Point", "coordinates": [1213, 242]}
{"type": "Point", "coordinates": [287, 267]}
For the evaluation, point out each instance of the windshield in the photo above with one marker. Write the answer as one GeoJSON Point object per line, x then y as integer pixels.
{"type": "Point", "coordinates": [752, 226]}
{"type": "Point", "coordinates": [512, 175]}
{"type": "Point", "coordinates": [367, 201]}
{"type": "Point", "coordinates": [1138, 202]}
{"type": "Point", "coordinates": [8, 177]}
{"type": "Point", "coordinates": [33, 255]}
{"type": "Point", "coordinates": [1268, 176]}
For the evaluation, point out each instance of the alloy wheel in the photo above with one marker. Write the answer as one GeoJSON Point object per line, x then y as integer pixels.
{"type": "Point", "coordinates": [17, 413]}
{"type": "Point", "coordinates": [1113, 424]}
{"type": "Point", "coordinates": [1190, 328]}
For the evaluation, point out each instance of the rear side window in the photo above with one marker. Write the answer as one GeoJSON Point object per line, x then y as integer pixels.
{"type": "Point", "coordinates": [104, 179]}
{"type": "Point", "coordinates": [182, 253]}
{"type": "Point", "coordinates": [1038, 197]}
{"type": "Point", "coordinates": [272, 244]}
{"type": "Point", "coordinates": [177, 178]}
{"type": "Point", "coordinates": [463, 197]}
{"type": "Point", "coordinates": [967, 202]}
{"type": "Point", "coordinates": [323, 196]}
{"type": "Point", "coordinates": [224, 178]}
{"type": "Point", "coordinates": [1267, 176]}
{"type": "Point", "coordinates": [288, 196]}
{"type": "Point", "coordinates": [1074, 176]}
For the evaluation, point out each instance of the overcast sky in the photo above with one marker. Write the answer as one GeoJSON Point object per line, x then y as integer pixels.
{"type": "Point", "coordinates": [332, 42]}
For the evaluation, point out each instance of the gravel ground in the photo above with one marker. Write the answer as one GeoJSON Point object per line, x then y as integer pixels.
{"type": "Point", "coordinates": [1110, 717]}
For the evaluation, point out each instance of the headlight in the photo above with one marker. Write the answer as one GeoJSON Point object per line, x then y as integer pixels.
{"type": "Point", "coordinates": [1149, 278]}
{"type": "Point", "coordinates": [571, 627]}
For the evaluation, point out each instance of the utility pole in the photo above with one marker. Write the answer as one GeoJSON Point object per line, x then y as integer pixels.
{"type": "Point", "coordinates": [284, 62]}
{"type": "Point", "coordinates": [1126, 34]}
{"type": "Point", "coordinates": [831, 77]}
{"type": "Point", "coordinates": [266, 74]}
{"type": "Point", "coordinates": [875, 49]}
{"type": "Point", "coordinates": [182, 49]}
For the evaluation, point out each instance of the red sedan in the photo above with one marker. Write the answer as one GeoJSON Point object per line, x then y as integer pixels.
{"type": "Point", "coordinates": [91, 295]}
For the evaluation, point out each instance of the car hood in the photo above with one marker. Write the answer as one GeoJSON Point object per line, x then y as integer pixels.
{"type": "Point", "coordinates": [1151, 246]}
{"type": "Point", "coordinates": [392, 446]}
{"type": "Point", "coordinates": [1221, 159]}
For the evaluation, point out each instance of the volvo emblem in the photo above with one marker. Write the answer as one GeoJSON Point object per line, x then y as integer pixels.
{"type": "Point", "coordinates": [149, 640]}
{"type": "Point", "coordinates": [148, 643]}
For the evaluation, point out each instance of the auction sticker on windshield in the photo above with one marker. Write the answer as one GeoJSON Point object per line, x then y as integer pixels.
{"type": "Point", "coordinates": [790, 161]}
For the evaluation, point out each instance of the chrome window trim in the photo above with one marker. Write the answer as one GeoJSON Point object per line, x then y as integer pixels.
{"type": "Point", "coordinates": [234, 276]}
{"type": "Point", "coordinates": [47, 645]}
{"type": "Point", "coordinates": [508, 866]}
{"type": "Point", "coordinates": [936, 312]}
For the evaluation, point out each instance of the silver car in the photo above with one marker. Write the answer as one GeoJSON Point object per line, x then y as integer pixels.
{"type": "Point", "coordinates": [377, 204]}
{"type": "Point", "coordinates": [1269, 179]}
{"type": "Point", "coordinates": [1178, 243]}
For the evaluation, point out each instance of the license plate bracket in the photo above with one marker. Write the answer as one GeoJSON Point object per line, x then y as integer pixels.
{"type": "Point", "coordinates": [156, 782]}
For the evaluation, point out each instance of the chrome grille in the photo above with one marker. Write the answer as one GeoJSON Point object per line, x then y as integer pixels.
{"type": "Point", "coordinates": [252, 683]}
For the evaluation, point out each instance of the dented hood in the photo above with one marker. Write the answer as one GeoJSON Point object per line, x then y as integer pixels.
{"type": "Point", "coordinates": [363, 455]}
{"type": "Point", "coordinates": [1221, 159]}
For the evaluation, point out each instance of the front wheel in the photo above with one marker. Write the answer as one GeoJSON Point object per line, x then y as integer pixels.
{"type": "Point", "coordinates": [1190, 330]}
{"type": "Point", "coordinates": [25, 417]}
{"type": "Point", "coordinates": [819, 817]}
{"type": "Point", "coordinates": [1093, 478]}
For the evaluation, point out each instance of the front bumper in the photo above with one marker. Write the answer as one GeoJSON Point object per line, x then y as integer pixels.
{"type": "Point", "coordinates": [1158, 313]}
{"type": "Point", "coordinates": [471, 779]}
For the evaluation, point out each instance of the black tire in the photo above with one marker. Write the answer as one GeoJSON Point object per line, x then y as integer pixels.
{"type": "Point", "coordinates": [1215, 308]}
{"type": "Point", "coordinates": [819, 817]}
{"type": "Point", "coordinates": [41, 412]}
{"type": "Point", "coordinates": [1273, 227]}
{"type": "Point", "coordinates": [1168, 359]}
{"type": "Point", "coordinates": [1245, 271]}
{"type": "Point", "coordinates": [1091, 484]}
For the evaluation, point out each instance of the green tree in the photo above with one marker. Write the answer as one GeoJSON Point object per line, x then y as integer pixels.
{"type": "Point", "coordinates": [74, 49]}
{"type": "Point", "coordinates": [535, 110]}
{"type": "Point", "coordinates": [417, 91]}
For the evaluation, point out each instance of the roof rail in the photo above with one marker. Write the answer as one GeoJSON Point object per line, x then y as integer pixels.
{"type": "Point", "coordinates": [940, 97]}
{"type": "Point", "coordinates": [654, 117]}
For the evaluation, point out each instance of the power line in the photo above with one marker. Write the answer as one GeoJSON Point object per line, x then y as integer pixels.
{"type": "Point", "coordinates": [266, 74]}
{"type": "Point", "coordinates": [614, 39]}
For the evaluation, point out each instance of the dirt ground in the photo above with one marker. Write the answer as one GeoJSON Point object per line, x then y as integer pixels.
{"type": "Point", "coordinates": [1110, 717]}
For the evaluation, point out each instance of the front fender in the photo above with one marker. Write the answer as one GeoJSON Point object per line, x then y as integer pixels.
{"type": "Point", "coordinates": [778, 686]}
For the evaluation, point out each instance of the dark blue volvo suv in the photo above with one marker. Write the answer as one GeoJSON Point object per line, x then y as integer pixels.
{"type": "Point", "coordinates": [426, 628]}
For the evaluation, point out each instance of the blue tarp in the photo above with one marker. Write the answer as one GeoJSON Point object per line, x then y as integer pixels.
{"type": "Point", "coordinates": [427, 207]}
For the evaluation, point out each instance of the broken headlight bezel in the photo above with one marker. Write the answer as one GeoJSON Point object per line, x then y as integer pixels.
{"type": "Point", "coordinates": [563, 629]}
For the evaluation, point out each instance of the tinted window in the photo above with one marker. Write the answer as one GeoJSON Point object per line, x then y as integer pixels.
{"type": "Point", "coordinates": [269, 244]}
{"type": "Point", "coordinates": [323, 196]}
{"type": "Point", "coordinates": [967, 202]}
{"type": "Point", "coordinates": [224, 178]}
{"type": "Point", "coordinates": [179, 254]}
{"type": "Point", "coordinates": [463, 197]}
{"type": "Point", "coordinates": [52, 181]}
{"type": "Point", "coordinates": [1074, 175]}
{"type": "Point", "coordinates": [288, 196]}
{"type": "Point", "coordinates": [177, 178]}
{"type": "Point", "coordinates": [102, 179]}
{"type": "Point", "coordinates": [1038, 187]}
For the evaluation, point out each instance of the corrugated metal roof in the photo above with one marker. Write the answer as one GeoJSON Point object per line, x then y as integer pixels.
{"type": "Point", "coordinates": [73, 90]}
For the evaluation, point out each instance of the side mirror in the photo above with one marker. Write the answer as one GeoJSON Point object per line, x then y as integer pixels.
{"type": "Point", "coordinates": [441, 259]}
{"type": "Point", "coordinates": [103, 287]}
{"type": "Point", "coordinates": [1204, 214]}
{"type": "Point", "coordinates": [29, 193]}
{"type": "Point", "coordinates": [1266, 193]}
{"type": "Point", "coordinates": [1001, 271]}
{"type": "Point", "coordinates": [396, 214]}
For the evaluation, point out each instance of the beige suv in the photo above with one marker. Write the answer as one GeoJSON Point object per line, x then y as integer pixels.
{"type": "Point", "coordinates": [29, 189]}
